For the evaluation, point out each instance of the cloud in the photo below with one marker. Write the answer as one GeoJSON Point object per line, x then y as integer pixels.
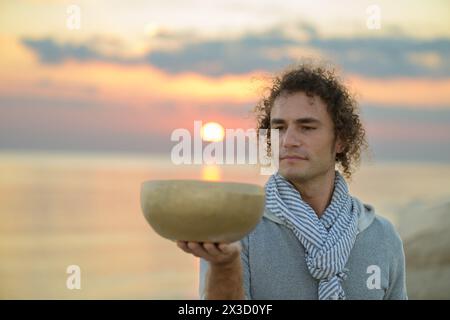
{"type": "Point", "coordinates": [51, 52]}
{"type": "Point", "coordinates": [388, 56]}
{"type": "Point", "coordinates": [142, 83]}
{"type": "Point", "coordinates": [216, 58]}
{"type": "Point", "coordinates": [67, 124]}
{"type": "Point", "coordinates": [430, 116]}
{"type": "Point", "coordinates": [373, 56]}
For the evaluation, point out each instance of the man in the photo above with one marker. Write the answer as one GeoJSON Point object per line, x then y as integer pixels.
{"type": "Point", "coordinates": [315, 241]}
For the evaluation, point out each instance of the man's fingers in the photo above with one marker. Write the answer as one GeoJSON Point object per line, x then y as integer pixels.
{"type": "Point", "coordinates": [228, 248]}
{"type": "Point", "coordinates": [208, 251]}
{"type": "Point", "coordinates": [183, 246]}
{"type": "Point", "coordinates": [192, 248]}
{"type": "Point", "coordinates": [212, 249]}
{"type": "Point", "coordinates": [224, 247]}
{"type": "Point", "coordinates": [198, 250]}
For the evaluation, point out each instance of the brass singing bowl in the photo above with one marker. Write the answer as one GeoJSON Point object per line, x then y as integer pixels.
{"type": "Point", "coordinates": [202, 211]}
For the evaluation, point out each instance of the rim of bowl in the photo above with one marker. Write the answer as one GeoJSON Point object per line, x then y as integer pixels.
{"type": "Point", "coordinates": [250, 187]}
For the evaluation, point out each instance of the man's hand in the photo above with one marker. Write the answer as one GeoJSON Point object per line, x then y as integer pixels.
{"type": "Point", "coordinates": [224, 279]}
{"type": "Point", "coordinates": [217, 254]}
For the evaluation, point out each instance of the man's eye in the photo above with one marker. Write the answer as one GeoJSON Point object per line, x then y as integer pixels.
{"type": "Point", "coordinates": [279, 128]}
{"type": "Point", "coordinates": [308, 128]}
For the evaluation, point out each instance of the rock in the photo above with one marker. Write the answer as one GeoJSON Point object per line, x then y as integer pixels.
{"type": "Point", "coordinates": [426, 238]}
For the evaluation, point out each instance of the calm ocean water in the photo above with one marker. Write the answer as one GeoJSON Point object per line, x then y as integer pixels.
{"type": "Point", "coordinates": [58, 210]}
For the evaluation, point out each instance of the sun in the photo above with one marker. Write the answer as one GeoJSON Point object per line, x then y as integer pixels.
{"type": "Point", "coordinates": [212, 131]}
{"type": "Point", "coordinates": [211, 173]}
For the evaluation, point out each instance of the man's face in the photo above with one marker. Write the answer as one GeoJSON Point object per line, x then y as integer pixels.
{"type": "Point", "coordinates": [307, 144]}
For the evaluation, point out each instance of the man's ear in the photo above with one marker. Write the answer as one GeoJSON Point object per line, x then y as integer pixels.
{"type": "Point", "coordinates": [339, 146]}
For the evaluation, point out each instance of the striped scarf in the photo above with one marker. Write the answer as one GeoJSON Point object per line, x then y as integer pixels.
{"type": "Point", "coordinates": [327, 240]}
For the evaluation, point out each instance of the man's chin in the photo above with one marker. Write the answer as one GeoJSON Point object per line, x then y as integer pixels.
{"type": "Point", "coordinates": [292, 171]}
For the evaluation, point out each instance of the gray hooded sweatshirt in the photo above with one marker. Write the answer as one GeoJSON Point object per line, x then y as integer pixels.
{"type": "Point", "coordinates": [274, 266]}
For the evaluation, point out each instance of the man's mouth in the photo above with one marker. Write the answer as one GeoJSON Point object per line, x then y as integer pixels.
{"type": "Point", "coordinates": [292, 158]}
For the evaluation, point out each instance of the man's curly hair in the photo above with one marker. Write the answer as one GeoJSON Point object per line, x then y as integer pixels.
{"type": "Point", "coordinates": [342, 107]}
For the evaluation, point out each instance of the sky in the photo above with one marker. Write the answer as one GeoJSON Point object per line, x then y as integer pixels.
{"type": "Point", "coordinates": [134, 71]}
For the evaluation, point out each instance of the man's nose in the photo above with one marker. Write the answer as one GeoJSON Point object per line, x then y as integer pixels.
{"type": "Point", "coordinates": [290, 138]}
